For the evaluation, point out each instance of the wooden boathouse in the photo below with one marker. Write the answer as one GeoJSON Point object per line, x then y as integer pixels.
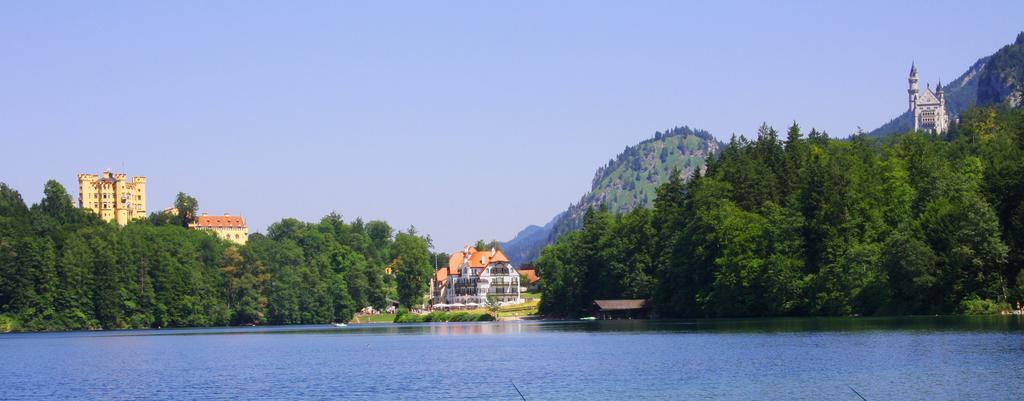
{"type": "Point", "coordinates": [609, 309]}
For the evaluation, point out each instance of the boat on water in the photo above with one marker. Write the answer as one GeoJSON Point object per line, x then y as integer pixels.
{"type": "Point", "coordinates": [339, 324]}
{"type": "Point", "coordinates": [588, 318]}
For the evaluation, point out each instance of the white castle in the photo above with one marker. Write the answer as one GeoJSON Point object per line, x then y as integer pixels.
{"type": "Point", "coordinates": [929, 108]}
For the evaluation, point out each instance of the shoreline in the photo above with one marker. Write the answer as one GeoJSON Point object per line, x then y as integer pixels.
{"type": "Point", "coordinates": [807, 322]}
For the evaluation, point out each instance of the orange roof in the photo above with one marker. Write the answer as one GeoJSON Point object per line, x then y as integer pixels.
{"type": "Point", "coordinates": [441, 275]}
{"type": "Point", "coordinates": [219, 221]}
{"type": "Point", "coordinates": [455, 263]}
{"type": "Point", "coordinates": [531, 276]}
{"type": "Point", "coordinates": [478, 260]}
{"type": "Point", "coordinates": [499, 257]}
{"type": "Point", "coordinates": [481, 259]}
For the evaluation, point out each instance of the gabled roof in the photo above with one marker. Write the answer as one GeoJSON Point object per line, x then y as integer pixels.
{"type": "Point", "coordinates": [219, 221]}
{"type": "Point", "coordinates": [620, 304]}
{"type": "Point", "coordinates": [474, 258]}
{"type": "Point", "coordinates": [927, 97]}
{"type": "Point", "coordinates": [499, 256]}
{"type": "Point", "coordinates": [531, 276]}
{"type": "Point", "coordinates": [441, 275]}
{"type": "Point", "coordinates": [478, 259]}
{"type": "Point", "coordinates": [455, 263]}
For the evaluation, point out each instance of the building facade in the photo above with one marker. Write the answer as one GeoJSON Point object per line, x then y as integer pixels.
{"type": "Point", "coordinates": [928, 108]}
{"type": "Point", "coordinates": [113, 196]}
{"type": "Point", "coordinates": [473, 278]}
{"type": "Point", "coordinates": [231, 228]}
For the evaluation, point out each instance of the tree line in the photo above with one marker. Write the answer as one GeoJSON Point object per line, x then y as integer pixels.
{"type": "Point", "coordinates": [911, 224]}
{"type": "Point", "coordinates": [63, 268]}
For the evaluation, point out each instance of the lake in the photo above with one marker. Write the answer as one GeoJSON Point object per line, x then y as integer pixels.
{"type": "Point", "coordinates": [907, 358]}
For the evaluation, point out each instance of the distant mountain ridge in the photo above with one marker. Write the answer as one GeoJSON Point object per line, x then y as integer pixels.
{"type": "Point", "coordinates": [628, 181]}
{"type": "Point", "coordinates": [991, 80]}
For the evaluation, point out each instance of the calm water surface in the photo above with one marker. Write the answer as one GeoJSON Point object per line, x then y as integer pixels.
{"type": "Point", "coordinates": [924, 358]}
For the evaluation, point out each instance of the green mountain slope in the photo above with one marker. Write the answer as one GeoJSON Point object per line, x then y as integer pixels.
{"type": "Point", "coordinates": [1002, 79]}
{"type": "Point", "coordinates": [628, 181]}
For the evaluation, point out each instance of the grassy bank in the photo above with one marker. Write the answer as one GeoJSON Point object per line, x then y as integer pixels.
{"type": "Point", "coordinates": [524, 309]}
{"type": "Point", "coordinates": [440, 316]}
{"type": "Point", "coordinates": [476, 315]}
{"type": "Point", "coordinates": [381, 318]}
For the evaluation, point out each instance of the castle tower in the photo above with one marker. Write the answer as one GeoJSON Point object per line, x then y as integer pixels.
{"type": "Point", "coordinates": [928, 107]}
{"type": "Point", "coordinates": [912, 92]}
{"type": "Point", "coordinates": [942, 119]}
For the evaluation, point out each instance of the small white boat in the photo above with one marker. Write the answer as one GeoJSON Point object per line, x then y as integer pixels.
{"type": "Point", "coordinates": [339, 324]}
{"type": "Point", "coordinates": [588, 318]}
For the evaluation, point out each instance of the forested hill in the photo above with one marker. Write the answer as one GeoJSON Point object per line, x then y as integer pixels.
{"type": "Point", "coordinates": [807, 225]}
{"type": "Point", "coordinates": [62, 268]}
{"type": "Point", "coordinates": [1002, 79]}
{"type": "Point", "coordinates": [627, 182]}
{"type": "Point", "coordinates": [990, 80]}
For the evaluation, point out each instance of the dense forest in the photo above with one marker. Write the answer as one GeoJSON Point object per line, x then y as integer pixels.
{"type": "Point", "coordinates": [62, 268]}
{"type": "Point", "coordinates": [910, 224]}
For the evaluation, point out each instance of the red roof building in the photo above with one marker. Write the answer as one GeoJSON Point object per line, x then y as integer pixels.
{"type": "Point", "coordinates": [231, 228]}
{"type": "Point", "coordinates": [475, 277]}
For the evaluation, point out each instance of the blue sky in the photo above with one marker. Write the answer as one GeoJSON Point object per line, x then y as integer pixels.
{"type": "Point", "coordinates": [466, 119]}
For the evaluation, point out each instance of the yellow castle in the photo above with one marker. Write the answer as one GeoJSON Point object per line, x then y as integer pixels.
{"type": "Point", "coordinates": [113, 196]}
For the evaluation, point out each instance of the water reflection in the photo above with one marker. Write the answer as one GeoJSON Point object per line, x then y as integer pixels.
{"type": "Point", "coordinates": [764, 325]}
{"type": "Point", "coordinates": [854, 324]}
{"type": "Point", "coordinates": [759, 325]}
{"type": "Point", "coordinates": [898, 358]}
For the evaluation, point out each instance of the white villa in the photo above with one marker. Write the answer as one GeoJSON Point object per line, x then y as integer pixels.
{"type": "Point", "coordinates": [472, 277]}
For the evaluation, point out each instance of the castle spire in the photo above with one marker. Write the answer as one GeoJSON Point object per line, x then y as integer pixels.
{"type": "Point", "coordinates": [912, 90]}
